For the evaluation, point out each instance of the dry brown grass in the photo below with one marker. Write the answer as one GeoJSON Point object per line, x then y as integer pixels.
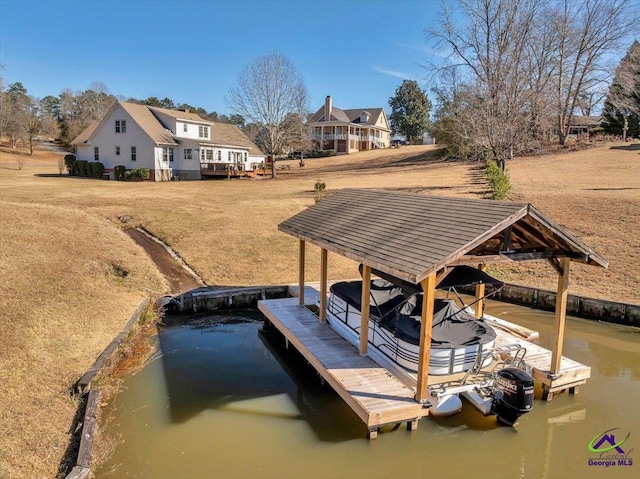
{"type": "Point", "coordinates": [62, 303]}
{"type": "Point", "coordinates": [596, 194]}
{"type": "Point", "coordinates": [58, 245]}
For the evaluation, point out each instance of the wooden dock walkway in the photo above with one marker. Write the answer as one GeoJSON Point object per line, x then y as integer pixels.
{"type": "Point", "coordinates": [375, 395]}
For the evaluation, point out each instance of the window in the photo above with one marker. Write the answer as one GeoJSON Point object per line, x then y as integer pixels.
{"type": "Point", "coordinates": [219, 155]}
{"type": "Point", "coordinates": [121, 126]}
{"type": "Point", "coordinates": [117, 151]}
{"type": "Point", "coordinates": [203, 131]}
{"type": "Point", "coordinates": [96, 154]}
{"type": "Point", "coordinates": [188, 154]}
{"type": "Point", "coordinates": [246, 155]}
{"type": "Point", "coordinates": [229, 159]}
{"type": "Point", "coordinates": [167, 154]}
{"type": "Point", "coordinates": [209, 154]}
{"type": "Point", "coordinates": [134, 154]}
{"type": "Point", "coordinates": [184, 127]}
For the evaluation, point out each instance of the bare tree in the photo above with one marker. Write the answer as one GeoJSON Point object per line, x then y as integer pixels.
{"type": "Point", "coordinates": [4, 107]}
{"type": "Point", "coordinates": [78, 110]}
{"type": "Point", "coordinates": [29, 118]}
{"type": "Point", "coordinates": [586, 32]}
{"type": "Point", "coordinates": [266, 91]}
{"type": "Point", "coordinates": [525, 67]}
{"type": "Point", "coordinates": [492, 46]}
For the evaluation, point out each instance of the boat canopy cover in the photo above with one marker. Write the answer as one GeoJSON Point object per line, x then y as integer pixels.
{"type": "Point", "coordinates": [457, 277]}
{"type": "Point", "coordinates": [467, 275]}
{"type": "Point", "coordinates": [385, 296]}
{"type": "Point", "coordinates": [452, 326]}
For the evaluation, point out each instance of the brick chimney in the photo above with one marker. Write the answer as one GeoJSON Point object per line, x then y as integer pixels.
{"type": "Point", "coordinates": [327, 109]}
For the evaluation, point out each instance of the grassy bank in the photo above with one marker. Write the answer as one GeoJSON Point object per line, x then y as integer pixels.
{"type": "Point", "coordinates": [64, 297]}
{"type": "Point", "coordinates": [62, 254]}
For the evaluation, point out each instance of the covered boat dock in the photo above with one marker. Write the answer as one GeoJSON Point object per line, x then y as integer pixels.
{"type": "Point", "coordinates": [419, 239]}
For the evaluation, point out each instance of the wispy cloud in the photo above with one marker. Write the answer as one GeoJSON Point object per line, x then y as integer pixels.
{"type": "Point", "coordinates": [445, 53]}
{"type": "Point", "coordinates": [397, 74]}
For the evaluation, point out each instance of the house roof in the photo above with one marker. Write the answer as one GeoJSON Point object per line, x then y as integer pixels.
{"type": "Point", "coordinates": [412, 236]}
{"type": "Point", "coordinates": [349, 116]}
{"type": "Point", "coordinates": [227, 134]}
{"type": "Point", "coordinates": [354, 115]}
{"type": "Point", "coordinates": [143, 115]}
{"type": "Point", "coordinates": [178, 114]}
{"type": "Point", "coordinates": [86, 133]}
{"type": "Point", "coordinates": [585, 120]}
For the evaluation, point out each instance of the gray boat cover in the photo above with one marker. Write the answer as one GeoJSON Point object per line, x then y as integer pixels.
{"type": "Point", "coordinates": [452, 327]}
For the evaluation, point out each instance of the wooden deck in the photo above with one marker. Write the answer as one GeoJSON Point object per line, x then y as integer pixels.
{"type": "Point", "coordinates": [374, 394]}
{"type": "Point", "coordinates": [538, 361]}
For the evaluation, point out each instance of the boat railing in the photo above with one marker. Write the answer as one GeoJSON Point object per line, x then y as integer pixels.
{"type": "Point", "coordinates": [508, 355]}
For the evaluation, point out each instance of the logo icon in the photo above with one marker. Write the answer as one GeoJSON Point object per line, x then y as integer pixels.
{"type": "Point", "coordinates": [605, 442]}
{"type": "Point", "coordinates": [609, 451]}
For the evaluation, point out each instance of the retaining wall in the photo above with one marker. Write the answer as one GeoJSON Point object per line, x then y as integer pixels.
{"type": "Point", "coordinates": [580, 306]}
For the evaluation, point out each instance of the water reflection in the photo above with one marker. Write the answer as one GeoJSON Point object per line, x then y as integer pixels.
{"type": "Point", "coordinates": [224, 399]}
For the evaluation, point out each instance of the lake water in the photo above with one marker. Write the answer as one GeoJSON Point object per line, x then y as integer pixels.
{"type": "Point", "coordinates": [222, 399]}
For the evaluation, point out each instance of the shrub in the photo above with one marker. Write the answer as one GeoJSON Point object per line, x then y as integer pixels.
{"type": "Point", "coordinates": [143, 173]}
{"type": "Point", "coordinates": [137, 174]}
{"type": "Point", "coordinates": [75, 168]}
{"type": "Point", "coordinates": [97, 169]}
{"type": "Point", "coordinates": [319, 188]}
{"type": "Point", "coordinates": [82, 167]}
{"type": "Point", "coordinates": [69, 160]}
{"type": "Point", "coordinates": [119, 172]}
{"type": "Point", "coordinates": [498, 181]}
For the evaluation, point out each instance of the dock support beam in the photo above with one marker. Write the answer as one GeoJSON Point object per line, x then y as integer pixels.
{"type": "Point", "coordinates": [322, 316]}
{"type": "Point", "coordinates": [365, 307]}
{"type": "Point", "coordinates": [429, 288]}
{"type": "Point", "coordinates": [480, 294]}
{"type": "Point", "coordinates": [301, 261]}
{"type": "Point", "coordinates": [561, 314]}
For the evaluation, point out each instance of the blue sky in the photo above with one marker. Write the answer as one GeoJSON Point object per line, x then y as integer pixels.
{"type": "Point", "coordinates": [357, 51]}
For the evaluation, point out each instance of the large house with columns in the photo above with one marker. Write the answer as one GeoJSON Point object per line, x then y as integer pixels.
{"type": "Point", "coordinates": [348, 131]}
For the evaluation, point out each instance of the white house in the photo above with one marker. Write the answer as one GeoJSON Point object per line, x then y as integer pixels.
{"type": "Point", "coordinates": [171, 143]}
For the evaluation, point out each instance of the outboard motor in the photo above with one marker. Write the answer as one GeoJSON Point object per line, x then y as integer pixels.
{"type": "Point", "coordinates": [512, 395]}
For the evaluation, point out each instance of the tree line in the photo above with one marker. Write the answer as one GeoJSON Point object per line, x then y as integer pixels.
{"type": "Point", "coordinates": [24, 117]}
{"type": "Point", "coordinates": [519, 71]}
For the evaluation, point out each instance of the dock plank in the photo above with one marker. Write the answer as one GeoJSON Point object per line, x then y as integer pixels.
{"type": "Point", "coordinates": [538, 359]}
{"type": "Point", "coordinates": [375, 395]}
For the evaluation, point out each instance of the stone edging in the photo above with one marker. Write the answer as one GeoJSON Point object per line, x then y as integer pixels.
{"type": "Point", "coordinates": [83, 462]}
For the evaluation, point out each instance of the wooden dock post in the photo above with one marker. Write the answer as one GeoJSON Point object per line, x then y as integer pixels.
{"type": "Point", "coordinates": [561, 314]}
{"type": "Point", "coordinates": [301, 261]}
{"type": "Point", "coordinates": [480, 294]}
{"type": "Point", "coordinates": [429, 288]}
{"type": "Point", "coordinates": [322, 316]}
{"type": "Point", "coordinates": [365, 307]}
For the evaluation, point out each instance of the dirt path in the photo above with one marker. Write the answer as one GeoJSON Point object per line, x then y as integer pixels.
{"type": "Point", "coordinates": [180, 279]}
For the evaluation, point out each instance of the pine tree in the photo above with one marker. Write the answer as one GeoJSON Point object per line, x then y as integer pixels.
{"type": "Point", "coordinates": [621, 112]}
